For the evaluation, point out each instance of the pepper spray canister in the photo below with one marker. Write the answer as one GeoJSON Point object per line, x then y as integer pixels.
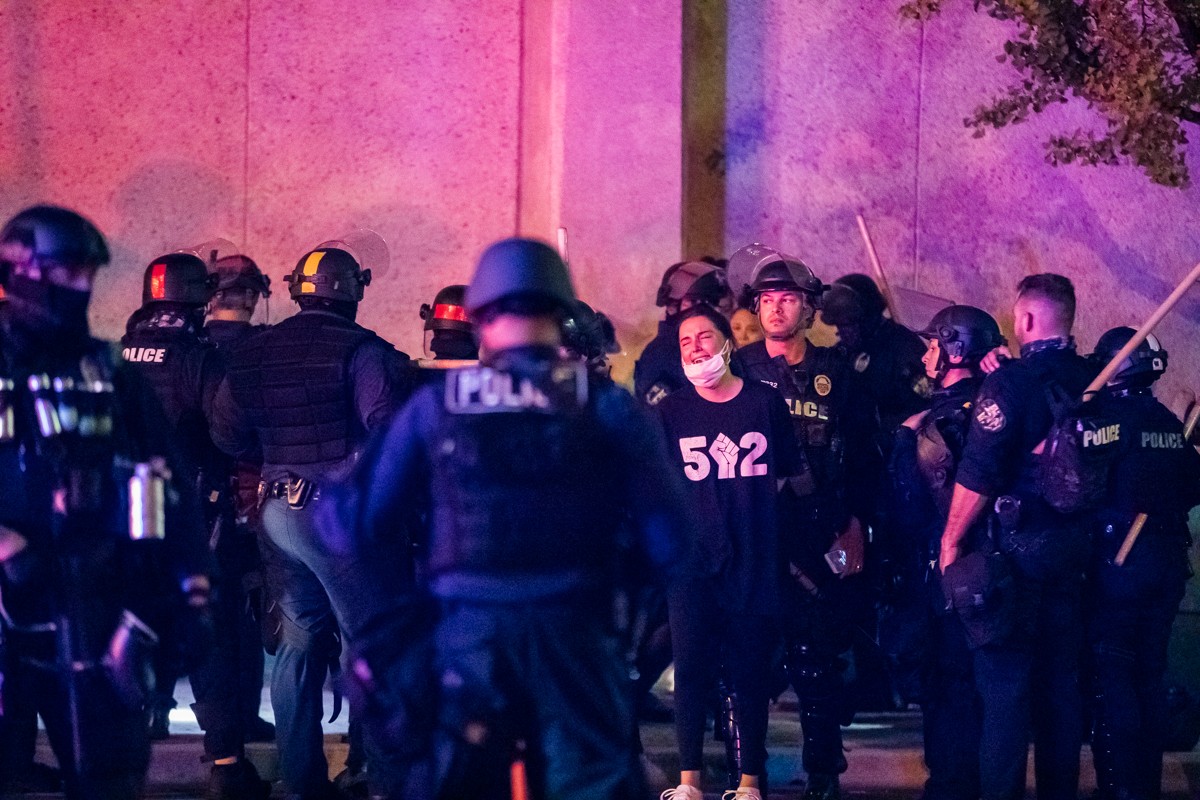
{"type": "Point", "coordinates": [147, 501]}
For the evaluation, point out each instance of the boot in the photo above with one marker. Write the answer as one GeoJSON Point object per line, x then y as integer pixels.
{"type": "Point", "coordinates": [237, 781]}
{"type": "Point", "coordinates": [822, 787]}
{"type": "Point", "coordinates": [160, 719]}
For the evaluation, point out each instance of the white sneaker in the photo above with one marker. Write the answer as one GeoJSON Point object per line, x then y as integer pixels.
{"type": "Point", "coordinates": [683, 792]}
{"type": "Point", "coordinates": [743, 793]}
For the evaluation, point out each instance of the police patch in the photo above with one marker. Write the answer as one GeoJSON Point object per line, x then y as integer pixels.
{"type": "Point", "coordinates": [989, 416]}
{"type": "Point", "coordinates": [823, 385]}
{"type": "Point", "coordinates": [862, 362]}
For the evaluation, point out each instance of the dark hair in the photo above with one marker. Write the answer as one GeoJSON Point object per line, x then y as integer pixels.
{"type": "Point", "coordinates": [1055, 289]}
{"type": "Point", "coordinates": [708, 312]}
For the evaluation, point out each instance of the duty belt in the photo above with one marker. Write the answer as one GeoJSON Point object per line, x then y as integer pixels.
{"type": "Point", "coordinates": [297, 491]}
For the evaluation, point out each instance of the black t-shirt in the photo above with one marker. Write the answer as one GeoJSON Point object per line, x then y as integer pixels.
{"type": "Point", "coordinates": [731, 454]}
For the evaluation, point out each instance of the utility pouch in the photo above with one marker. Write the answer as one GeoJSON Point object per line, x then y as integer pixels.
{"type": "Point", "coordinates": [980, 587]}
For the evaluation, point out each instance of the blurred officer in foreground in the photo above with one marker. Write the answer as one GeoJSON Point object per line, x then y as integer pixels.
{"type": "Point", "coordinates": [529, 466]}
{"type": "Point", "coordinates": [1130, 608]}
{"type": "Point", "coordinates": [1027, 627]}
{"type": "Point", "coordinates": [829, 498]}
{"type": "Point", "coordinates": [302, 397]}
{"type": "Point", "coordinates": [100, 559]}
{"type": "Point", "coordinates": [166, 344]}
{"type": "Point", "coordinates": [886, 354]}
{"type": "Point", "coordinates": [924, 458]}
{"type": "Point", "coordinates": [658, 370]}
{"type": "Point", "coordinates": [240, 285]}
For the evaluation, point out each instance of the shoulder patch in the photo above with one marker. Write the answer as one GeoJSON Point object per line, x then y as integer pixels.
{"type": "Point", "coordinates": [989, 416]}
{"type": "Point", "coordinates": [823, 385]}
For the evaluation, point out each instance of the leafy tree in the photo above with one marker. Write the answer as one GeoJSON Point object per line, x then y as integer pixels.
{"type": "Point", "coordinates": [1135, 62]}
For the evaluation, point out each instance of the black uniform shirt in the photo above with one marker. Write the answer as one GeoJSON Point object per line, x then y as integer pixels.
{"type": "Point", "coordinates": [1012, 416]}
{"type": "Point", "coordinates": [1157, 472]}
{"type": "Point", "coordinates": [892, 373]}
{"type": "Point", "coordinates": [732, 454]}
{"type": "Point", "coordinates": [226, 333]}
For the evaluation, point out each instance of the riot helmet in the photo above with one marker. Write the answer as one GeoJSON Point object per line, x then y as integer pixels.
{"type": "Point", "coordinates": [328, 273]}
{"type": "Point", "coordinates": [695, 281]}
{"type": "Point", "coordinates": [52, 235]}
{"type": "Point", "coordinates": [589, 334]}
{"type": "Point", "coordinates": [520, 276]}
{"type": "Point", "coordinates": [448, 311]}
{"type": "Point", "coordinates": [1139, 369]}
{"type": "Point", "coordinates": [240, 272]}
{"type": "Point", "coordinates": [181, 278]}
{"type": "Point", "coordinates": [448, 332]}
{"type": "Point", "coordinates": [965, 332]}
{"type": "Point", "coordinates": [870, 298]}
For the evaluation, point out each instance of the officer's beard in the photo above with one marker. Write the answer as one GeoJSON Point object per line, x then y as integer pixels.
{"type": "Point", "coordinates": [43, 316]}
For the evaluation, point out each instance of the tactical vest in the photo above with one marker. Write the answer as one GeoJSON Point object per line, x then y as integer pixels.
{"type": "Point", "coordinates": [939, 443]}
{"type": "Point", "coordinates": [293, 383]}
{"type": "Point", "coordinates": [170, 360]}
{"type": "Point", "coordinates": [521, 486]}
{"type": "Point", "coordinates": [814, 390]}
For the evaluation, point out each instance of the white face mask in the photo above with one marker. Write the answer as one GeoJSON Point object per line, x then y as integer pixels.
{"type": "Point", "coordinates": [707, 373]}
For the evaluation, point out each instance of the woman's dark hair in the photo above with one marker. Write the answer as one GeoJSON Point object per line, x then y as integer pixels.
{"type": "Point", "coordinates": [708, 312]}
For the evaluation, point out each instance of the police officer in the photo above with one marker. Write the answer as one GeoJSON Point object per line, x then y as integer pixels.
{"type": "Point", "coordinates": [449, 335]}
{"type": "Point", "coordinates": [303, 396]}
{"type": "Point", "coordinates": [88, 569]}
{"type": "Point", "coordinates": [887, 354]}
{"type": "Point", "coordinates": [166, 343]}
{"type": "Point", "coordinates": [1130, 608]}
{"type": "Point", "coordinates": [589, 335]}
{"type": "Point", "coordinates": [240, 287]}
{"type": "Point", "coordinates": [1026, 672]}
{"type": "Point", "coordinates": [529, 466]}
{"type": "Point", "coordinates": [925, 454]}
{"type": "Point", "coordinates": [834, 426]}
{"type": "Point", "coordinates": [658, 370]}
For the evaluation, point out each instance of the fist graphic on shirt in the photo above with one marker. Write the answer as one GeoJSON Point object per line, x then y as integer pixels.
{"type": "Point", "coordinates": [725, 453]}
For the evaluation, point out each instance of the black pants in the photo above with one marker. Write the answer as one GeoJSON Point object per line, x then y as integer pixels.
{"type": "Point", "coordinates": [1033, 679]}
{"type": "Point", "coordinates": [546, 673]}
{"type": "Point", "coordinates": [951, 713]}
{"type": "Point", "coordinates": [705, 637]}
{"type": "Point", "coordinates": [114, 741]}
{"type": "Point", "coordinates": [1130, 610]}
{"type": "Point", "coordinates": [817, 630]}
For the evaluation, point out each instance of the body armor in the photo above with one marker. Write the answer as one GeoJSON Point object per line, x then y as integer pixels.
{"type": "Point", "coordinates": [940, 440]}
{"type": "Point", "coordinates": [518, 467]}
{"type": "Point", "coordinates": [293, 383]}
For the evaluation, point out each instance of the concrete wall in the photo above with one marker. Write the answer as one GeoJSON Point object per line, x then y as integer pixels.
{"type": "Point", "coordinates": [445, 125]}
{"type": "Point", "coordinates": [278, 125]}
{"type": "Point", "coordinates": [842, 106]}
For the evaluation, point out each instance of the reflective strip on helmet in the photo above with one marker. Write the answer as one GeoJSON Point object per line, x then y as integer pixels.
{"type": "Point", "coordinates": [450, 312]}
{"type": "Point", "coordinates": [158, 281]}
{"type": "Point", "coordinates": [310, 268]}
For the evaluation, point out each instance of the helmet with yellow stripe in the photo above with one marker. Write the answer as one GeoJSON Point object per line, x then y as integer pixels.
{"type": "Point", "coordinates": [329, 273]}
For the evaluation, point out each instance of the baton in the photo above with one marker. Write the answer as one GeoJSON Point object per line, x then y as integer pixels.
{"type": "Point", "coordinates": [879, 276]}
{"type": "Point", "coordinates": [1139, 522]}
{"type": "Point", "coordinates": [1142, 333]}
